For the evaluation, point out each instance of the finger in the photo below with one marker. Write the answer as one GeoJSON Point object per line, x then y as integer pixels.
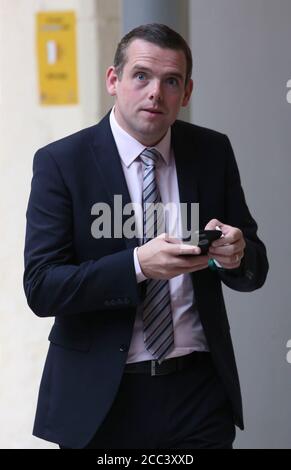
{"type": "Point", "coordinates": [229, 262]}
{"type": "Point", "coordinates": [180, 249]}
{"type": "Point", "coordinates": [226, 250]}
{"type": "Point", "coordinates": [212, 224]}
{"type": "Point", "coordinates": [191, 262]}
{"type": "Point", "coordinates": [231, 235]}
{"type": "Point", "coordinates": [231, 238]}
{"type": "Point", "coordinates": [188, 250]}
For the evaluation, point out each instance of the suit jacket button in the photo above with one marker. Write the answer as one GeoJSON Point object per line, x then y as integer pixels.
{"type": "Point", "coordinates": [123, 348]}
{"type": "Point", "coordinates": [249, 275]}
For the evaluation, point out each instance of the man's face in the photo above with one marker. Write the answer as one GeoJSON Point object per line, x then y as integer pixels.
{"type": "Point", "coordinates": [150, 91]}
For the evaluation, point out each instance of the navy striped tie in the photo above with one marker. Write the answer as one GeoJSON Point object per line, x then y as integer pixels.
{"type": "Point", "coordinates": [157, 315]}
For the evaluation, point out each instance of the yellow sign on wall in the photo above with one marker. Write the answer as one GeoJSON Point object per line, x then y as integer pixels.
{"type": "Point", "coordinates": [57, 62]}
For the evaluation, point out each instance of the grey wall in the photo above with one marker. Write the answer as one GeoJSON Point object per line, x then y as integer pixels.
{"type": "Point", "coordinates": [242, 62]}
{"type": "Point", "coordinates": [171, 12]}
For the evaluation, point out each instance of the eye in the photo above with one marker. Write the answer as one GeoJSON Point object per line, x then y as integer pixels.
{"type": "Point", "coordinates": [141, 76]}
{"type": "Point", "coordinates": [172, 81]}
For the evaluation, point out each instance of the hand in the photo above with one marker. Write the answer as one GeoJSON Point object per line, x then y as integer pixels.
{"type": "Point", "coordinates": [160, 258]}
{"type": "Point", "coordinates": [228, 250]}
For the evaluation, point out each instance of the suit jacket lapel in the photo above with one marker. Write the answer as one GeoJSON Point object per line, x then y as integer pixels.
{"type": "Point", "coordinates": [110, 168]}
{"type": "Point", "coordinates": [186, 170]}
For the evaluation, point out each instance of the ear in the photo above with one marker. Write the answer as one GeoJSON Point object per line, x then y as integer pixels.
{"type": "Point", "coordinates": [188, 92]}
{"type": "Point", "coordinates": [111, 80]}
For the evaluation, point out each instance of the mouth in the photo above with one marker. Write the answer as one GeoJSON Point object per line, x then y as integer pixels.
{"type": "Point", "coordinates": [153, 111]}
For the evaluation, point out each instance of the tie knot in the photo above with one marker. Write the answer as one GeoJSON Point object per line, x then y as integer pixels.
{"type": "Point", "coordinates": [150, 156]}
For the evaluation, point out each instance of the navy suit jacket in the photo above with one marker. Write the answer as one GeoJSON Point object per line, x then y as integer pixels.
{"type": "Point", "coordinates": [89, 285]}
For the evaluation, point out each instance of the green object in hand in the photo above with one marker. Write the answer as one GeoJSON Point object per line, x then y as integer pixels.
{"type": "Point", "coordinates": [212, 265]}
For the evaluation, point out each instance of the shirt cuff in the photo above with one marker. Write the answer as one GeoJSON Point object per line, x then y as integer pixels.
{"type": "Point", "coordinates": [140, 277]}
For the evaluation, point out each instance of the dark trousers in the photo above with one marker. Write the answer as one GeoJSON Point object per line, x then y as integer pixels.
{"type": "Point", "coordinates": [188, 409]}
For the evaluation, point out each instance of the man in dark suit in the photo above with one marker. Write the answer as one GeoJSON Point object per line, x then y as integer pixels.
{"type": "Point", "coordinates": [140, 351]}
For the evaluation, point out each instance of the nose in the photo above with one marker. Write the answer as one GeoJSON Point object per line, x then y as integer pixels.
{"type": "Point", "coordinates": [156, 91]}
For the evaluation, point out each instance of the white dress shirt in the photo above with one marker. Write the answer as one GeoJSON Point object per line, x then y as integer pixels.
{"type": "Point", "coordinates": [188, 332]}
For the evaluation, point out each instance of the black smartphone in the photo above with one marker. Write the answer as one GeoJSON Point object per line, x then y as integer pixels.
{"type": "Point", "coordinates": [206, 237]}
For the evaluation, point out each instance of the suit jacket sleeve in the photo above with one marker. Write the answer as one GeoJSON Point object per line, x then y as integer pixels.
{"type": "Point", "coordinates": [252, 273]}
{"type": "Point", "coordinates": [54, 283]}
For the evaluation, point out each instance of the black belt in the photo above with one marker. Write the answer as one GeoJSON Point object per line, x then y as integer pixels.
{"type": "Point", "coordinates": [169, 366]}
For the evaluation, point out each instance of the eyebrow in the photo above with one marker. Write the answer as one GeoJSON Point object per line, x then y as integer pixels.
{"type": "Point", "coordinates": [143, 68]}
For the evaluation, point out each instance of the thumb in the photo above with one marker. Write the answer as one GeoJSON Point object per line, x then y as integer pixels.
{"type": "Point", "coordinates": [212, 224]}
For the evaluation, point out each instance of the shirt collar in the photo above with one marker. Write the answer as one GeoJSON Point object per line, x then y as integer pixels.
{"type": "Point", "coordinates": [129, 148]}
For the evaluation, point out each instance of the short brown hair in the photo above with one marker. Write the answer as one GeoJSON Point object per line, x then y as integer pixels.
{"type": "Point", "coordinates": [158, 34]}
